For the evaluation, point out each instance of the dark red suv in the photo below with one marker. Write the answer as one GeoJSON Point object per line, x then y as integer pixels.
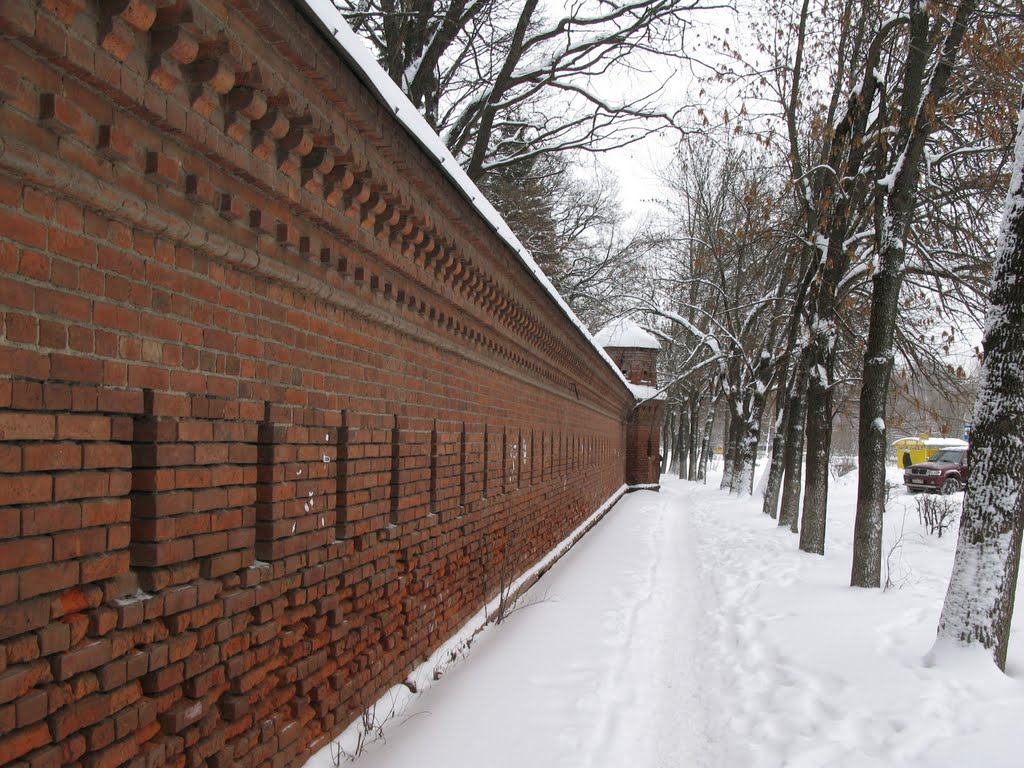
{"type": "Point", "coordinates": [944, 472]}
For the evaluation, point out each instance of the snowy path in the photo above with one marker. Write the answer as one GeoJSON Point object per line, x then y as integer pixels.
{"type": "Point", "coordinates": [687, 630]}
{"type": "Point", "coordinates": [598, 676]}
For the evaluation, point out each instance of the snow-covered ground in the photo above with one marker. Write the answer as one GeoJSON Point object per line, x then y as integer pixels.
{"type": "Point", "coordinates": [686, 629]}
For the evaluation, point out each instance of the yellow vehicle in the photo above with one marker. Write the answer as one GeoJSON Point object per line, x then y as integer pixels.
{"type": "Point", "coordinates": [916, 450]}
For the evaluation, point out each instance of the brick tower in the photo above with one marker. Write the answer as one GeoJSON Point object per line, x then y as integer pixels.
{"type": "Point", "coordinates": [635, 352]}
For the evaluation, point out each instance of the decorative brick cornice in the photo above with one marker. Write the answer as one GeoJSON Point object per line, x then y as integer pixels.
{"type": "Point", "coordinates": [247, 117]}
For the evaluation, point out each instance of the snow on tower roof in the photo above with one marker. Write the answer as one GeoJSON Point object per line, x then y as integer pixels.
{"type": "Point", "coordinates": [624, 332]}
{"type": "Point", "coordinates": [354, 52]}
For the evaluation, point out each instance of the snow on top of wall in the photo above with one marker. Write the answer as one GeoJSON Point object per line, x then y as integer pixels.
{"type": "Point", "coordinates": [624, 332]}
{"type": "Point", "coordinates": [647, 392]}
{"type": "Point", "coordinates": [358, 56]}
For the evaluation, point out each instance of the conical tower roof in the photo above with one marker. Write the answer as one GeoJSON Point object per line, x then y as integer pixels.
{"type": "Point", "coordinates": [624, 332]}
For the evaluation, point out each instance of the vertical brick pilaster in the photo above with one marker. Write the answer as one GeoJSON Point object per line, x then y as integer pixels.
{"type": "Point", "coordinates": [395, 492]}
{"type": "Point", "coordinates": [463, 465]}
{"type": "Point", "coordinates": [504, 466]}
{"type": "Point", "coordinates": [434, 467]}
{"type": "Point", "coordinates": [295, 497]}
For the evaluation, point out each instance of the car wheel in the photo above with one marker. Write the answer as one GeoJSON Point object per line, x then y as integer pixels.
{"type": "Point", "coordinates": [952, 485]}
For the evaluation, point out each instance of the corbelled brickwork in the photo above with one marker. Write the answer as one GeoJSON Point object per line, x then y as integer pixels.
{"type": "Point", "coordinates": [278, 410]}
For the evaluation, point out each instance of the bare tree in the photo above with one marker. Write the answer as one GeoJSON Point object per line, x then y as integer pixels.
{"type": "Point", "coordinates": [575, 230]}
{"type": "Point", "coordinates": [726, 297]}
{"type": "Point", "coordinates": [979, 602]}
{"type": "Point", "coordinates": [862, 89]}
{"type": "Point", "coordinates": [502, 81]}
{"type": "Point", "coordinates": [924, 88]}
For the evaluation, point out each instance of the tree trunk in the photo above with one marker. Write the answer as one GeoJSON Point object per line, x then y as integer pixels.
{"type": "Point", "coordinates": [792, 482]}
{"type": "Point", "coordinates": [778, 447]}
{"type": "Point", "coordinates": [819, 440]}
{"type": "Point", "coordinates": [683, 438]}
{"type": "Point", "coordinates": [694, 438]}
{"type": "Point", "coordinates": [749, 445]}
{"type": "Point", "coordinates": [705, 446]}
{"type": "Point", "coordinates": [979, 602]}
{"type": "Point", "coordinates": [669, 439]}
{"type": "Point", "coordinates": [752, 409]}
{"type": "Point", "coordinates": [872, 442]}
{"type": "Point", "coordinates": [729, 447]}
{"type": "Point", "coordinates": [886, 284]}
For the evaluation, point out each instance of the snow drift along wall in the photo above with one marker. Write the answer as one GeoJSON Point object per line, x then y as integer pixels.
{"type": "Point", "coordinates": [278, 409]}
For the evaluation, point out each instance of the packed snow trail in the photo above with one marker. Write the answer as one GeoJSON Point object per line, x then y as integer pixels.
{"type": "Point", "coordinates": [588, 672]}
{"type": "Point", "coordinates": [686, 630]}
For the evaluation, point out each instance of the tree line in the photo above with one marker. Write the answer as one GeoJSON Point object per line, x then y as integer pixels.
{"type": "Point", "coordinates": [843, 206]}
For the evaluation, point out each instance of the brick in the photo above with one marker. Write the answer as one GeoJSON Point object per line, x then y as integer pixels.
{"type": "Point", "coordinates": [113, 675]}
{"type": "Point", "coordinates": [23, 617]}
{"type": "Point", "coordinates": [48, 578]}
{"type": "Point", "coordinates": [27, 395]}
{"type": "Point", "coordinates": [105, 566]}
{"type": "Point", "coordinates": [78, 625]}
{"type": "Point", "coordinates": [105, 511]}
{"type": "Point", "coordinates": [112, 756]}
{"type": "Point", "coordinates": [161, 553]}
{"type": "Point", "coordinates": [26, 489]}
{"type": "Point", "coordinates": [181, 715]}
{"type": "Point", "coordinates": [81, 659]}
{"type": "Point", "coordinates": [50, 518]}
{"type": "Point", "coordinates": [25, 552]}
{"type": "Point", "coordinates": [26, 426]}
{"type": "Point", "coordinates": [72, 246]}
{"type": "Point", "coordinates": [18, 680]}
{"type": "Point", "coordinates": [49, 456]}
{"type": "Point", "coordinates": [10, 458]}
{"type": "Point", "coordinates": [10, 522]}
{"type": "Point", "coordinates": [163, 679]}
{"type": "Point", "coordinates": [104, 455]}
{"type": "Point", "coordinates": [31, 708]}
{"type": "Point", "coordinates": [136, 664]}
{"type": "Point", "coordinates": [115, 142]}
{"type": "Point", "coordinates": [54, 638]}
{"type": "Point", "coordinates": [23, 741]}
{"type": "Point", "coordinates": [34, 265]}
{"type": "Point", "coordinates": [80, 485]}
{"type": "Point", "coordinates": [82, 427]}
{"type": "Point", "coordinates": [102, 621]}
{"type": "Point", "coordinates": [78, 715]}
{"type": "Point", "coordinates": [181, 646]}
{"type": "Point", "coordinates": [75, 544]}
{"type": "Point", "coordinates": [48, 757]}
{"type": "Point", "coordinates": [8, 590]}
{"type": "Point", "coordinates": [100, 735]}
{"type": "Point", "coordinates": [22, 649]}
{"type": "Point", "coordinates": [23, 230]}
{"type": "Point", "coordinates": [64, 117]}
{"type": "Point", "coordinates": [75, 368]}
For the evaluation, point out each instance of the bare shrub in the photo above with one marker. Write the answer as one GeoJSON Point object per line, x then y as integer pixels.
{"type": "Point", "coordinates": [937, 513]}
{"type": "Point", "coordinates": [842, 465]}
{"type": "Point", "coordinates": [371, 728]}
{"type": "Point", "coordinates": [897, 570]}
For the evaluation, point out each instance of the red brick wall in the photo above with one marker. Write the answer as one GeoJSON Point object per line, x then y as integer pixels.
{"type": "Point", "coordinates": [643, 444]}
{"type": "Point", "coordinates": [277, 409]}
{"type": "Point", "coordinates": [643, 437]}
